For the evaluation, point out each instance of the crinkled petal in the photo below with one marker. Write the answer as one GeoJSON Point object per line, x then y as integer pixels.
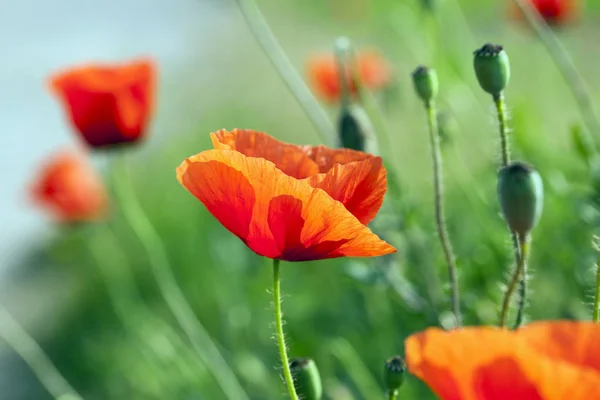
{"type": "Point", "coordinates": [359, 186]}
{"type": "Point", "coordinates": [289, 219]}
{"type": "Point", "coordinates": [289, 158]}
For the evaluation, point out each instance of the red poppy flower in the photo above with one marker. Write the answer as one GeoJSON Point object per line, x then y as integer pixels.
{"type": "Point", "coordinates": [70, 189]}
{"type": "Point", "coordinates": [108, 104]}
{"type": "Point", "coordinates": [290, 202]}
{"type": "Point", "coordinates": [373, 70]}
{"type": "Point", "coordinates": [542, 361]}
{"type": "Point", "coordinates": [554, 12]}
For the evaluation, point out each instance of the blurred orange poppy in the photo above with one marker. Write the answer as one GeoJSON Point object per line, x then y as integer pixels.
{"type": "Point", "coordinates": [542, 361]}
{"type": "Point", "coordinates": [70, 189]}
{"type": "Point", "coordinates": [554, 12]}
{"type": "Point", "coordinates": [288, 202]}
{"type": "Point", "coordinates": [374, 72]}
{"type": "Point", "coordinates": [108, 104]}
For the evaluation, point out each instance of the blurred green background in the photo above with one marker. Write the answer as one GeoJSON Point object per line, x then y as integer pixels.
{"type": "Point", "coordinates": [348, 315]}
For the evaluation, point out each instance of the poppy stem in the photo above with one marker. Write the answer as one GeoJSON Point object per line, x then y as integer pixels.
{"type": "Point", "coordinates": [565, 65]}
{"type": "Point", "coordinates": [392, 394]}
{"type": "Point", "coordinates": [200, 339]}
{"type": "Point", "coordinates": [287, 373]}
{"type": "Point", "coordinates": [522, 285]}
{"type": "Point", "coordinates": [500, 104]}
{"type": "Point", "coordinates": [33, 355]}
{"type": "Point", "coordinates": [440, 218]}
{"type": "Point", "coordinates": [519, 271]}
{"type": "Point", "coordinates": [264, 36]}
{"type": "Point", "coordinates": [596, 311]}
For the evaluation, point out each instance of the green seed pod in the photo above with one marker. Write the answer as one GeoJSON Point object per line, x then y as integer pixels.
{"type": "Point", "coordinates": [307, 380]}
{"type": "Point", "coordinates": [492, 68]}
{"type": "Point", "coordinates": [354, 128]}
{"type": "Point", "coordinates": [521, 195]}
{"type": "Point", "coordinates": [393, 373]}
{"type": "Point", "coordinates": [425, 81]}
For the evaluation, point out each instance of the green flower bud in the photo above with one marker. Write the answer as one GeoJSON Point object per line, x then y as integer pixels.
{"type": "Point", "coordinates": [393, 373]}
{"type": "Point", "coordinates": [354, 128]}
{"type": "Point", "coordinates": [307, 380]}
{"type": "Point", "coordinates": [521, 195]}
{"type": "Point", "coordinates": [492, 68]}
{"type": "Point", "coordinates": [425, 82]}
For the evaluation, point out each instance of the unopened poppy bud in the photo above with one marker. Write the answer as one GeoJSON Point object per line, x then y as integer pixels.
{"type": "Point", "coordinates": [307, 380]}
{"type": "Point", "coordinates": [354, 128]}
{"type": "Point", "coordinates": [492, 68]}
{"type": "Point", "coordinates": [425, 82]}
{"type": "Point", "coordinates": [393, 373]}
{"type": "Point", "coordinates": [521, 195]}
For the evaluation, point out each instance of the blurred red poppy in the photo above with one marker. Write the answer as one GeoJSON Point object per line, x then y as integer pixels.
{"type": "Point", "coordinates": [554, 12]}
{"type": "Point", "coordinates": [542, 361]}
{"type": "Point", "coordinates": [69, 188]}
{"type": "Point", "coordinates": [108, 104]}
{"type": "Point", "coordinates": [290, 202]}
{"type": "Point", "coordinates": [374, 72]}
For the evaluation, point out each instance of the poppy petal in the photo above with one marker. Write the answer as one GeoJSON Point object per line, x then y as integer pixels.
{"type": "Point", "coordinates": [285, 218]}
{"type": "Point", "coordinates": [493, 364]}
{"type": "Point", "coordinates": [568, 341]}
{"type": "Point", "coordinates": [359, 186]}
{"type": "Point", "coordinates": [289, 158]}
{"type": "Point", "coordinates": [108, 104]}
{"type": "Point", "coordinates": [326, 157]}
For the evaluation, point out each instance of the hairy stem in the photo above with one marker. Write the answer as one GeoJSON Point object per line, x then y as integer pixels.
{"type": "Point", "coordinates": [523, 253]}
{"type": "Point", "coordinates": [264, 36]}
{"type": "Point", "coordinates": [287, 373]}
{"type": "Point", "coordinates": [161, 268]}
{"type": "Point", "coordinates": [596, 313]}
{"type": "Point", "coordinates": [501, 111]}
{"type": "Point", "coordinates": [440, 218]}
{"type": "Point", "coordinates": [33, 355]}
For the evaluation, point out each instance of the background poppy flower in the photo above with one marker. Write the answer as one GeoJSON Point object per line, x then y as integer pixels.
{"type": "Point", "coordinates": [542, 361]}
{"type": "Point", "coordinates": [108, 104]}
{"type": "Point", "coordinates": [554, 12]}
{"type": "Point", "coordinates": [322, 70]}
{"type": "Point", "coordinates": [276, 214]}
{"type": "Point", "coordinates": [360, 188]}
{"type": "Point", "coordinates": [70, 189]}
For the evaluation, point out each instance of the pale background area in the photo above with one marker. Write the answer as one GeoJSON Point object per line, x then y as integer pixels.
{"type": "Point", "coordinates": [36, 38]}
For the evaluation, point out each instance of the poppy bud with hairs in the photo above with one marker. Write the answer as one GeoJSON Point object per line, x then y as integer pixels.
{"type": "Point", "coordinates": [307, 380]}
{"type": "Point", "coordinates": [394, 373]}
{"type": "Point", "coordinates": [425, 82]}
{"type": "Point", "coordinates": [492, 68]}
{"type": "Point", "coordinates": [521, 195]}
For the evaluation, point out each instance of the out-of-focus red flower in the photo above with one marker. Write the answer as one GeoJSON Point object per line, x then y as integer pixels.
{"type": "Point", "coordinates": [373, 69]}
{"type": "Point", "coordinates": [69, 188]}
{"type": "Point", "coordinates": [108, 104]}
{"type": "Point", "coordinates": [554, 12]}
{"type": "Point", "coordinates": [542, 361]}
{"type": "Point", "coordinates": [290, 202]}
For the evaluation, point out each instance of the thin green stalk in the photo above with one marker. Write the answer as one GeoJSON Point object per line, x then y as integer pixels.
{"type": "Point", "coordinates": [501, 111]}
{"type": "Point", "coordinates": [596, 314]}
{"type": "Point", "coordinates": [440, 218]}
{"type": "Point", "coordinates": [161, 268]}
{"type": "Point", "coordinates": [264, 36]}
{"type": "Point", "coordinates": [287, 373]}
{"type": "Point", "coordinates": [522, 285]}
{"type": "Point", "coordinates": [33, 355]}
{"type": "Point", "coordinates": [505, 153]}
{"type": "Point", "coordinates": [523, 253]}
{"type": "Point", "coordinates": [392, 395]}
{"type": "Point", "coordinates": [565, 65]}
